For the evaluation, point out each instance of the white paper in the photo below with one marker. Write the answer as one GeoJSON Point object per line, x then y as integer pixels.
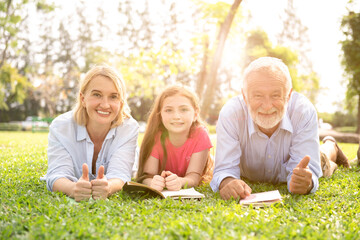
{"type": "Point", "coordinates": [261, 197]}
{"type": "Point", "coordinates": [186, 193]}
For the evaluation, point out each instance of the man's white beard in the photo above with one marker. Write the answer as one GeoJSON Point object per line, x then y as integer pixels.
{"type": "Point", "coordinates": [267, 122]}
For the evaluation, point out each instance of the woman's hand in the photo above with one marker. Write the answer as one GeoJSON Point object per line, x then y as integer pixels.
{"type": "Point", "coordinates": [172, 181]}
{"type": "Point", "coordinates": [158, 181]}
{"type": "Point", "coordinates": [100, 185]}
{"type": "Point", "coordinates": [82, 190]}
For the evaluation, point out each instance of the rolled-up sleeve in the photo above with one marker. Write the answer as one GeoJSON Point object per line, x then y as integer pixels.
{"type": "Point", "coordinates": [228, 150]}
{"type": "Point", "coordinates": [123, 157]}
{"type": "Point", "coordinates": [60, 163]}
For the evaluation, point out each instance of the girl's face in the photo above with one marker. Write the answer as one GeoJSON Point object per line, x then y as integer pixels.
{"type": "Point", "coordinates": [178, 114]}
{"type": "Point", "coordinates": [102, 101]}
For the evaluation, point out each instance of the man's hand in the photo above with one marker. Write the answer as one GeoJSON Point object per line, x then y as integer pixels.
{"type": "Point", "coordinates": [235, 188]}
{"type": "Point", "coordinates": [82, 190]}
{"type": "Point", "coordinates": [100, 185]}
{"type": "Point", "coordinates": [301, 179]}
{"type": "Point", "coordinates": [158, 181]}
{"type": "Point", "coordinates": [172, 181]}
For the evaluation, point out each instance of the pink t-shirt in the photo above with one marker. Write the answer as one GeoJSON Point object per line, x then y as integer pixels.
{"type": "Point", "coordinates": [178, 158]}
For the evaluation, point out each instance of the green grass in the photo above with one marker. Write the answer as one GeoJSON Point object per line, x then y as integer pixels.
{"type": "Point", "coordinates": [29, 211]}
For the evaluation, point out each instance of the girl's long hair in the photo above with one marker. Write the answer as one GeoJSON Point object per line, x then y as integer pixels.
{"type": "Point", "coordinates": [155, 126]}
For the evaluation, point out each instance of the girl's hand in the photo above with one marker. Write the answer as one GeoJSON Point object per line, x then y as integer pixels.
{"type": "Point", "coordinates": [172, 181]}
{"type": "Point", "coordinates": [82, 190]}
{"type": "Point", "coordinates": [100, 185]}
{"type": "Point", "coordinates": [158, 182]}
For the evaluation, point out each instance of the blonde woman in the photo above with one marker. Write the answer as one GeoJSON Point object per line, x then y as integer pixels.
{"type": "Point", "coordinates": [92, 148]}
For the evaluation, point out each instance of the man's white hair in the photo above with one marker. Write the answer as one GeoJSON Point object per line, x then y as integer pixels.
{"type": "Point", "coordinates": [271, 66]}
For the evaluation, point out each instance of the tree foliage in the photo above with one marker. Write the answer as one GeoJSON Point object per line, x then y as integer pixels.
{"type": "Point", "coordinates": [14, 51]}
{"type": "Point", "coordinates": [152, 43]}
{"type": "Point", "coordinates": [12, 86]}
{"type": "Point", "coordinates": [351, 57]}
{"type": "Point", "coordinates": [148, 72]}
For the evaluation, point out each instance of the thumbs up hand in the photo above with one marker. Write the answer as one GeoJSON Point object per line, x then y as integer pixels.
{"type": "Point", "coordinates": [100, 185]}
{"type": "Point", "coordinates": [82, 190]}
{"type": "Point", "coordinates": [301, 179]}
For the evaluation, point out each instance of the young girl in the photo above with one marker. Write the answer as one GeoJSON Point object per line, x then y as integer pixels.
{"type": "Point", "coordinates": [175, 148]}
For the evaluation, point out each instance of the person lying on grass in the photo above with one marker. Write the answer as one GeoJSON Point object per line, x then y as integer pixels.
{"type": "Point", "coordinates": [175, 148]}
{"type": "Point", "coordinates": [99, 133]}
{"type": "Point", "coordinates": [270, 134]}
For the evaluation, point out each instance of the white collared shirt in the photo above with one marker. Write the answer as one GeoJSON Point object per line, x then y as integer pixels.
{"type": "Point", "coordinates": [70, 147]}
{"type": "Point", "coordinates": [243, 150]}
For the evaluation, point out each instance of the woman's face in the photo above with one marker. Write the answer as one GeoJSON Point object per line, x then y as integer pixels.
{"type": "Point", "coordinates": [102, 101]}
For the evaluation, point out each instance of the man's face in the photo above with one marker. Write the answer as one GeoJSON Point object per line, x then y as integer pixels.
{"type": "Point", "coordinates": [267, 100]}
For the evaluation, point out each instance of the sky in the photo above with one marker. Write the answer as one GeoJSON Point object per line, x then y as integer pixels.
{"type": "Point", "coordinates": [323, 18]}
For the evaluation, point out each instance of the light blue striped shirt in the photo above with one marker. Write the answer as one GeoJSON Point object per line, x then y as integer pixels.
{"type": "Point", "coordinates": [243, 150]}
{"type": "Point", "coordinates": [70, 147]}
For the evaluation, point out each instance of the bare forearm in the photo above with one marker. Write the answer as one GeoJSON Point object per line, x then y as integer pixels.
{"type": "Point", "coordinates": [64, 185]}
{"type": "Point", "coordinates": [115, 185]}
{"type": "Point", "coordinates": [147, 181]}
{"type": "Point", "coordinates": [190, 180]}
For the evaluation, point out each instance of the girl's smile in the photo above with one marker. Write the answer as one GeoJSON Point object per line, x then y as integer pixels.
{"type": "Point", "coordinates": [177, 114]}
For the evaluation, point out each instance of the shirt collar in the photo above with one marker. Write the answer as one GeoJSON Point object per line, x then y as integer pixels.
{"type": "Point", "coordinates": [251, 125]}
{"type": "Point", "coordinates": [286, 123]}
{"type": "Point", "coordinates": [83, 134]}
{"type": "Point", "coordinates": [111, 133]}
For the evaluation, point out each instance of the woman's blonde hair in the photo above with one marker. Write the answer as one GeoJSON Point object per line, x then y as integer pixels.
{"type": "Point", "coordinates": [155, 125]}
{"type": "Point", "coordinates": [80, 114]}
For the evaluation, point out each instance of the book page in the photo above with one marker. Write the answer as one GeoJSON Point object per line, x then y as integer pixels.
{"type": "Point", "coordinates": [183, 193]}
{"type": "Point", "coordinates": [263, 197]}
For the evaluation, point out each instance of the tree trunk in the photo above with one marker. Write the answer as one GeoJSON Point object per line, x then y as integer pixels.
{"type": "Point", "coordinates": [202, 75]}
{"type": "Point", "coordinates": [211, 76]}
{"type": "Point", "coordinates": [358, 116]}
{"type": "Point", "coordinates": [3, 54]}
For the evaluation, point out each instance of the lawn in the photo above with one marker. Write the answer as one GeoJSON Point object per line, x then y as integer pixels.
{"type": "Point", "coordinates": [29, 211]}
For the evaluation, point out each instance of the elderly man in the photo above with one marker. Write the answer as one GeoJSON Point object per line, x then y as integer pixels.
{"type": "Point", "coordinates": [270, 134]}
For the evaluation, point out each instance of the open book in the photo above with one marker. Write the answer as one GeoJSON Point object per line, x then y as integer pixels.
{"type": "Point", "coordinates": [262, 199]}
{"type": "Point", "coordinates": [142, 190]}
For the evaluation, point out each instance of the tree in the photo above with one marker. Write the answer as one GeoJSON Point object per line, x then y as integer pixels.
{"type": "Point", "coordinates": [351, 59]}
{"type": "Point", "coordinates": [211, 75]}
{"type": "Point", "coordinates": [64, 56]}
{"type": "Point", "coordinates": [294, 35]}
{"type": "Point", "coordinates": [12, 86]}
{"type": "Point", "coordinates": [15, 51]}
{"type": "Point", "coordinates": [148, 72]}
{"type": "Point", "coordinates": [151, 57]}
